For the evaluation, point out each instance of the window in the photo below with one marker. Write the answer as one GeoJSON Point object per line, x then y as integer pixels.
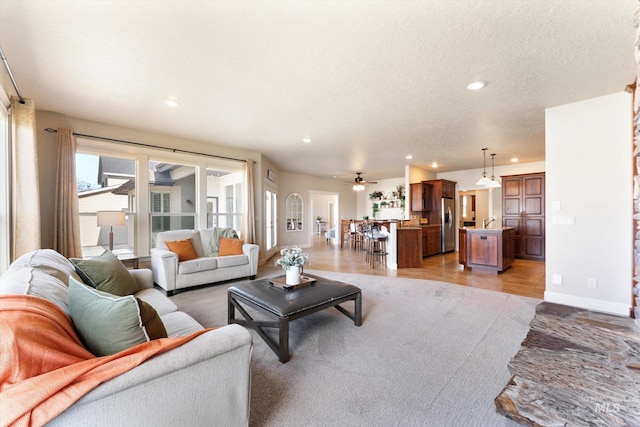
{"type": "Point", "coordinates": [174, 191]}
{"type": "Point", "coordinates": [224, 186]}
{"type": "Point", "coordinates": [160, 203]}
{"type": "Point", "coordinates": [172, 197]}
{"type": "Point", "coordinates": [105, 183]}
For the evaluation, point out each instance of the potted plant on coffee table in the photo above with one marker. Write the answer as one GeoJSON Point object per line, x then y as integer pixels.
{"type": "Point", "coordinates": [291, 260]}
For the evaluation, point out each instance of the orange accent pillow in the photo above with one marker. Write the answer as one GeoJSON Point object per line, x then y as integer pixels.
{"type": "Point", "coordinates": [184, 249]}
{"type": "Point", "coordinates": [230, 247]}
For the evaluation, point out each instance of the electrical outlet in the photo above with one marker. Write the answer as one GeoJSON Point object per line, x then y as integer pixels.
{"type": "Point", "coordinates": [556, 279]}
{"type": "Point", "coordinates": [592, 283]}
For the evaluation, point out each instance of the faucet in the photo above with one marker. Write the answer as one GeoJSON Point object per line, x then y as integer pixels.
{"type": "Point", "coordinates": [487, 221]}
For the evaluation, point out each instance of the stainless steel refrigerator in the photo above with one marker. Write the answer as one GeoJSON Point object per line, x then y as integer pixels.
{"type": "Point", "coordinates": [448, 229]}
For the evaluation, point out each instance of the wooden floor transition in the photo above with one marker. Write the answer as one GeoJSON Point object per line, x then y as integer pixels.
{"type": "Point", "coordinates": [525, 278]}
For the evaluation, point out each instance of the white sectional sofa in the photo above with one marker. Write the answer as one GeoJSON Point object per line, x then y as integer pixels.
{"type": "Point", "coordinates": [203, 382]}
{"type": "Point", "coordinates": [172, 275]}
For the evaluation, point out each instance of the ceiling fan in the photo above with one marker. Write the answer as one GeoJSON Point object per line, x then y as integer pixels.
{"type": "Point", "coordinates": [359, 182]}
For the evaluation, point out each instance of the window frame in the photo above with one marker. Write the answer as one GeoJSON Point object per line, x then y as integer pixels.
{"type": "Point", "coordinates": [142, 156]}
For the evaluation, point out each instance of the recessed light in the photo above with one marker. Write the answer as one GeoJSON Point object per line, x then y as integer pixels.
{"type": "Point", "coordinates": [476, 85]}
{"type": "Point", "coordinates": [409, 157]}
{"type": "Point", "coordinates": [515, 159]}
{"type": "Point", "coordinates": [434, 164]}
{"type": "Point", "coordinates": [306, 140]}
{"type": "Point", "coordinates": [171, 103]}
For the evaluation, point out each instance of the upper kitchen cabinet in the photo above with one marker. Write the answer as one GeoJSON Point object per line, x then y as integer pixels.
{"type": "Point", "coordinates": [448, 189]}
{"type": "Point", "coordinates": [440, 189]}
{"type": "Point", "coordinates": [523, 209]}
{"type": "Point", "coordinates": [421, 197]}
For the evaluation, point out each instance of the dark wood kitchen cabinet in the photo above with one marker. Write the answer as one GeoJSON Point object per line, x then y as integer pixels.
{"type": "Point", "coordinates": [409, 247]}
{"type": "Point", "coordinates": [523, 200]}
{"type": "Point", "coordinates": [421, 197]}
{"type": "Point", "coordinates": [431, 240]}
{"type": "Point", "coordinates": [489, 250]}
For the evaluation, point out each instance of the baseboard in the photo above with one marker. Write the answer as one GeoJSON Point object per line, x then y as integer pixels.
{"type": "Point", "coordinates": [588, 303]}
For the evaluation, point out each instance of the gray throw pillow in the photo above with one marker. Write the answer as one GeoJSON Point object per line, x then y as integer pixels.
{"type": "Point", "coordinates": [108, 324]}
{"type": "Point", "coordinates": [106, 273]}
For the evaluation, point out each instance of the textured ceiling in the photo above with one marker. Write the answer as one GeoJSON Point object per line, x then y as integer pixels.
{"type": "Point", "coordinates": [368, 81]}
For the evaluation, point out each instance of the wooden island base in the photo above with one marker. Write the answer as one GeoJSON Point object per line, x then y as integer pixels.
{"type": "Point", "coordinates": [488, 250]}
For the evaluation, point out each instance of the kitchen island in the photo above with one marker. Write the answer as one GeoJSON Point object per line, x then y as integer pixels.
{"type": "Point", "coordinates": [409, 247]}
{"type": "Point", "coordinates": [490, 250]}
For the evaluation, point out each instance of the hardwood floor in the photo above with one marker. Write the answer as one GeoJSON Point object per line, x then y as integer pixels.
{"type": "Point", "coordinates": [525, 278]}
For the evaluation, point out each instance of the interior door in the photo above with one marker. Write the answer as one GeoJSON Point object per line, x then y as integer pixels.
{"type": "Point", "coordinates": [533, 219]}
{"type": "Point", "coordinates": [523, 209]}
{"type": "Point", "coordinates": [270, 219]}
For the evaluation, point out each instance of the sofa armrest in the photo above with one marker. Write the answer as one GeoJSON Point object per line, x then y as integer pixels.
{"type": "Point", "coordinates": [144, 277]}
{"type": "Point", "coordinates": [253, 252]}
{"type": "Point", "coordinates": [205, 381]}
{"type": "Point", "coordinates": [164, 265]}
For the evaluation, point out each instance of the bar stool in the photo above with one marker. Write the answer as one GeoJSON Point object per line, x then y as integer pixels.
{"type": "Point", "coordinates": [376, 247]}
{"type": "Point", "coordinates": [378, 251]}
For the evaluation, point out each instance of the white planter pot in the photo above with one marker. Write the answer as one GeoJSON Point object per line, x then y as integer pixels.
{"type": "Point", "coordinates": [292, 275]}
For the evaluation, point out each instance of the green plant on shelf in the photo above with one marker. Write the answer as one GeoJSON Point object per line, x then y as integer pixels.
{"type": "Point", "coordinates": [374, 210]}
{"type": "Point", "coordinates": [376, 195]}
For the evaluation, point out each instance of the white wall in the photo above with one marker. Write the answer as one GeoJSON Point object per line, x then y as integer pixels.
{"type": "Point", "coordinates": [386, 186]}
{"type": "Point", "coordinates": [589, 179]}
{"type": "Point", "coordinates": [305, 185]}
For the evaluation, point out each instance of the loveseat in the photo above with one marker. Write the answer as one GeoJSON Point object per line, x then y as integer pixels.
{"type": "Point", "coordinates": [202, 382]}
{"type": "Point", "coordinates": [207, 266]}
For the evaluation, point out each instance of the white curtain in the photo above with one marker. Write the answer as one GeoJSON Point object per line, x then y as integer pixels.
{"type": "Point", "coordinates": [25, 188]}
{"type": "Point", "coordinates": [66, 220]}
{"type": "Point", "coordinates": [249, 220]}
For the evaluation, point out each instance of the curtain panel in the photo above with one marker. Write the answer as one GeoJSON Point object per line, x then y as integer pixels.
{"type": "Point", "coordinates": [25, 187]}
{"type": "Point", "coordinates": [66, 220]}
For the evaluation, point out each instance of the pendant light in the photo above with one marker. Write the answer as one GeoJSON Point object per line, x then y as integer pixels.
{"type": "Point", "coordinates": [484, 180]}
{"type": "Point", "coordinates": [493, 183]}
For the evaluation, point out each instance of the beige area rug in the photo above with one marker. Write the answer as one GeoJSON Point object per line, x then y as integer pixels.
{"type": "Point", "coordinates": [428, 354]}
{"type": "Point", "coordinates": [576, 367]}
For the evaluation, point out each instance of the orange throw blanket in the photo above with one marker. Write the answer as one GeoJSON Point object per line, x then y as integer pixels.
{"type": "Point", "coordinates": [44, 368]}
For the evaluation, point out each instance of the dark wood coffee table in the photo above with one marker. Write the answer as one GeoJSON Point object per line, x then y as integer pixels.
{"type": "Point", "coordinates": [286, 305]}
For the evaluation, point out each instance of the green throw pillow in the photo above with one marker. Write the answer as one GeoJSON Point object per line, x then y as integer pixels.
{"type": "Point", "coordinates": [108, 323]}
{"type": "Point", "coordinates": [106, 273]}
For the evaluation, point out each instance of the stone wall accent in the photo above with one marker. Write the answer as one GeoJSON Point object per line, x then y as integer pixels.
{"type": "Point", "coordinates": [575, 368]}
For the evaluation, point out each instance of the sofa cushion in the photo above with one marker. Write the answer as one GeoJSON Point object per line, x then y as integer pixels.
{"type": "Point", "coordinates": [43, 273]}
{"type": "Point", "coordinates": [179, 324]}
{"type": "Point", "coordinates": [184, 249]}
{"type": "Point", "coordinates": [31, 281]}
{"type": "Point", "coordinates": [158, 300]}
{"type": "Point", "coordinates": [197, 265]}
{"type": "Point", "coordinates": [108, 323]}
{"type": "Point", "coordinates": [106, 273]}
{"type": "Point", "coordinates": [230, 247]}
{"type": "Point", "coordinates": [232, 260]}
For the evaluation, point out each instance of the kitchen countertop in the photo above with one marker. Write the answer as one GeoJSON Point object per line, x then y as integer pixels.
{"type": "Point", "coordinates": [486, 230]}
